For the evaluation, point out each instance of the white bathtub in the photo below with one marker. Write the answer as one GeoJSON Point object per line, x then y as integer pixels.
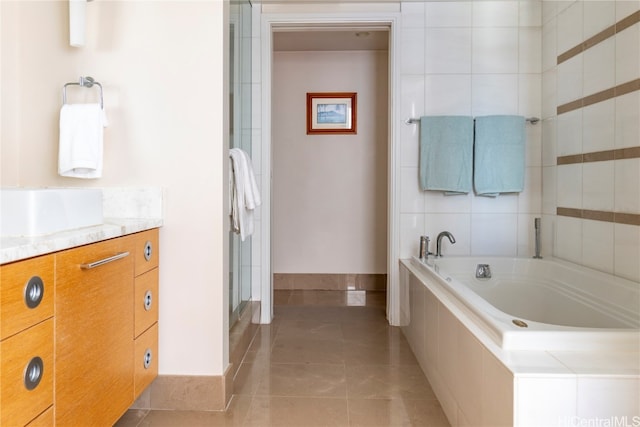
{"type": "Point", "coordinates": [564, 306]}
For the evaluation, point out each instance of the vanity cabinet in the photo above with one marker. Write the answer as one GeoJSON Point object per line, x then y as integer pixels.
{"type": "Point", "coordinates": [26, 340]}
{"type": "Point", "coordinates": [94, 325]}
{"type": "Point", "coordinates": [79, 332]}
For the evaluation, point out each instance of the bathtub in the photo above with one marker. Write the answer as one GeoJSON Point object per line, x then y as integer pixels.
{"type": "Point", "coordinates": [540, 304]}
{"type": "Point", "coordinates": [540, 343]}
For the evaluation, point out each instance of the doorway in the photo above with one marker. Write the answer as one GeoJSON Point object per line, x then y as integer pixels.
{"type": "Point", "coordinates": [328, 149]}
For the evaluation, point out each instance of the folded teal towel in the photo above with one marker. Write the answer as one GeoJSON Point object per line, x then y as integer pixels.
{"type": "Point", "coordinates": [499, 152]}
{"type": "Point", "coordinates": [446, 153]}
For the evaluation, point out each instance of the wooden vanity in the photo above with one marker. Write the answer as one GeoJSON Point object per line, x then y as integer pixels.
{"type": "Point", "coordinates": [79, 332]}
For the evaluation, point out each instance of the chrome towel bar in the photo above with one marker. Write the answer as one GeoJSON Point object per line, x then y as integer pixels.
{"type": "Point", "coordinates": [412, 121]}
{"type": "Point", "coordinates": [84, 82]}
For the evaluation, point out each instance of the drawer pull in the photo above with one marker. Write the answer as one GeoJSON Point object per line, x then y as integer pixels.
{"type": "Point", "coordinates": [33, 292]}
{"type": "Point", "coordinates": [33, 373]}
{"type": "Point", "coordinates": [148, 250]}
{"type": "Point", "coordinates": [104, 261]}
{"type": "Point", "coordinates": [148, 357]}
{"type": "Point", "coordinates": [148, 300]}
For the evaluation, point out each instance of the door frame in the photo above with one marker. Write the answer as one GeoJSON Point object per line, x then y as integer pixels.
{"type": "Point", "coordinates": [270, 22]}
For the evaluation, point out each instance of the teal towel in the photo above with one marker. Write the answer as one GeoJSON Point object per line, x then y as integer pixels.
{"type": "Point", "coordinates": [499, 163]}
{"type": "Point", "coordinates": [446, 153]}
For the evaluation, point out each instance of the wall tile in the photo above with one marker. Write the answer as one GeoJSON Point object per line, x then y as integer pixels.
{"type": "Point", "coordinates": [504, 203]}
{"type": "Point", "coordinates": [411, 228]}
{"type": "Point", "coordinates": [494, 94]}
{"type": "Point", "coordinates": [599, 126]}
{"type": "Point", "coordinates": [569, 179]}
{"type": "Point", "coordinates": [570, 27]}
{"type": "Point", "coordinates": [570, 80]}
{"type": "Point", "coordinates": [598, 16]}
{"type": "Point", "coordinates": [599, 67]}
{"type": "Point", "coordinates": [412, 55]}
{"type": "Point", "coordinates": [448, 50]}
{"type": "Point", "coordinates": [569, 239]}
{"type": "Point", "coordinates": [549, 190]}
{"type": "Point", "coordinates": [549, 93]}
{"type": "Point", "coordinates": [448, 94]}
{"type": "Point", "coordinates": [627, 186]}
{"type": "Point", "coordinates": [495, 50]}
{"type": "Point", "coordinates": [597, 182]}
{"type": "Point", "coordinates": [495, 14]}
{"type": "Point", "coordinates": [598, 245]}
{"type": "Point", "coordinates": [530, 13]}
{"type": "Point", "coordinates": [627, 123]}
{"type": "Point", "coordinates": [530, 50]}
{"type": "Point", "coordinates": [448, 14]}
{"type": "Point", "coordinates": [549, 234]}
{"type": "Point", "coordinates": [549, 53]}
{"type": "Point", "coordinates": [409, 143]}
{"type": "Point", "coordinates": [625, 8]}
{"type": "Point", "coordinates": [569, 133]}
{"type": "Point", "coordinates": [526, 235]}
{"type": "Point", "coordinates": [530, 200]}
{"type": "Point", "coordinates": [534, 143]}
{"type": "Point", "coordinates": [529, 96]}
{"type": "Point", "coordinates": [411, 97]}
{"type": "Point", "coordinates": [627, 45]}
{"type": "Point", "coordinates": [549, 136]}
{"type": "Point", "coordinates": [438, 202]}
{"type": "Point", "coordinates": [413, 14]}
{"type": "Point", "coordinates": [549, 11]}
{"type": "Point", "coordinates": [494, 234]}
{"type": "Point", "coordinates": [627, 251]}
{"type": "Point", "coordinates": [411, 197]}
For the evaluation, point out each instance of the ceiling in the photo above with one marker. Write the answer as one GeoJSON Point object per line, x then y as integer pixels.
{"type": "Point", "coordinates": [330, 39]}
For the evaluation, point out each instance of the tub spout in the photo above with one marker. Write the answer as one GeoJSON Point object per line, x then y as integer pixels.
{"type": "Point", "coordinates": [439, 242]}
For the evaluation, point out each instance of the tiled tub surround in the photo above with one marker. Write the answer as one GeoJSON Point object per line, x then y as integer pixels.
{"type": "Point", "coordinates": [480, 383]}
{"type": "Point", "coordinates": [126, 211]}
{"type": "Point", "coordinates": [591, 134]}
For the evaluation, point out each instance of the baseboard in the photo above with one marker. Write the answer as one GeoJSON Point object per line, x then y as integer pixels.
{"type": "Point", "coordinates": [330, 282]}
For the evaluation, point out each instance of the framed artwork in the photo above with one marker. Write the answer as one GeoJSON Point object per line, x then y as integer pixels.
{"type": "Point", "coordinates": [331, 113]}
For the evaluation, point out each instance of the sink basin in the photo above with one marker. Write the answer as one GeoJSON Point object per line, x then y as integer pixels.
{"type": "Point", "coordinates": [41, 211]}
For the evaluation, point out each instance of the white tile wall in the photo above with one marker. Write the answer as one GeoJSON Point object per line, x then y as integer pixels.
{"type": "Point", "coordinates": [627, 125]}
{"type": "Point", "coordinates": [447, 50]}
{"type": "Point", "coordinates": [625, 8]}
{"type": "Point", "coordinates": [627, 251]}
{"type": "Point", "coordinates": [569, 133]}
{"type": "Point", "coordinates": [568, 239]}
{"type": "Point", "coordinates": [570, 80]}
{"type": "Point", "coordinates": [494, 94]}
{"type": "Point", "coordinates": [549, 93]}
{"type": "Point", "coordinates": [597, 182]}
{"type": "Point", "coordinates": [598, 16]}
{"type": "Point", "coordinates": [569, 193]}
{"type": "Point", "coordinates": [549, 137]}
{"type": "Point", "coordinates": [570, 27]}
{"type": "Point", "coordinates": [448, 94]}
{"type": "Point", "coordinates": [495, 50]}
{"type": "Point", "coordinates": [627, 54]}
{"type": "Point", "coordinates": [495, 14]}
{"type": "Point", "coordinates": [599, 67]}
{"type": "Point", "coordinates": [549, 42]}
{"type": "Point", "coordinates": [493, 234]}
{"type": "Point", "coordinates": [599, 126]}
{"type": "Point", "coordinates": [412, 42]}
{"type": "Point", "coordinates": [556, 395]}
{"type": "Point", "coordinates": [598, 245]}
{"type": "Point", "coordinates": [600, 397]}
{"type": "Point", "coordinates": [549, 190]}
{"type": "Point", "coordinates": [627, 180]}
{"type": "Point", "coordinates": [530, 13]}
{"type": "Point", "coordinates": [448, 14]}
{"type": "Point", "coordinates": [530, 50]}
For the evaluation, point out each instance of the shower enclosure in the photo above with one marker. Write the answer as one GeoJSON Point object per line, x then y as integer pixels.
{"type": "Point", "coordinates": [239, 137]}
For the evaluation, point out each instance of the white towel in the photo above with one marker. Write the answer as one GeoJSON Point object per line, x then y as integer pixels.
{"type": "Point", "coordinates": [81, 140]}
{"type": "Point", "coordinates": [243, 192]}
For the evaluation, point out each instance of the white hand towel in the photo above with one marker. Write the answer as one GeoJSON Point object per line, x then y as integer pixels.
{"type": "Point", "coordinates": [81, 140]}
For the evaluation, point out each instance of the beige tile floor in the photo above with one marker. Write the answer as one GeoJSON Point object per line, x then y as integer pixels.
{"type": "Point", "coordinates": [329, 358]}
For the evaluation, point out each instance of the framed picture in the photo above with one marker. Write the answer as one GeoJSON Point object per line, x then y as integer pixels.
{"type": "Point", "coordinates": [331, 113]}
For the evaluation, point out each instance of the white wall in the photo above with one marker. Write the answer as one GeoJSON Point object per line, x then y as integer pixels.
{"type": "Point", "coordinates": [329, 191]}
{"type": "Point", "coordinates": [470, 58]}
{"type": "Point", "coordinates": [162, 68]}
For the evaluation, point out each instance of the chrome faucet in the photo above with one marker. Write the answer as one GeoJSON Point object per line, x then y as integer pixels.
{"type": "Point", "coordinates": [439, 242]}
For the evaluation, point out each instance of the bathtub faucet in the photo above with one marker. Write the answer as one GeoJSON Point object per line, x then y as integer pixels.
{"type": "Point", "coordinates": [439, 242]}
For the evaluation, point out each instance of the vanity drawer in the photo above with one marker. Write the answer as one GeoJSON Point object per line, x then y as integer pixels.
{"type": "Point", "coordinates": [146, 301]}
{"type": "Point", "coordinates": [26, 294]}
{"type": "Point", "coordinates": [146, 360]}
{"type": "Point", "coordinates": [44, 420]}
{"type": "Point", "coordinates": [147, 252]}
{"type": "Point", "coordinates": [26, 369]}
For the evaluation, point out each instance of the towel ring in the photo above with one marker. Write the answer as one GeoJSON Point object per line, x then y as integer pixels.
{"type": "Point", "coordinates": [84, 82]}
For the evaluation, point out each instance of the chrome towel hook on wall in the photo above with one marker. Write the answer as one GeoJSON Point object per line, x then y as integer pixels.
{"type": "Point", "coordinates": [84, 82]}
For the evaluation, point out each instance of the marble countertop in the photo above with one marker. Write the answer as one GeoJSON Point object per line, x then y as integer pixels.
{"type": "Point", "coordinates": [126, 211]}
{"type": "Point", "coordinates": [18, 248]}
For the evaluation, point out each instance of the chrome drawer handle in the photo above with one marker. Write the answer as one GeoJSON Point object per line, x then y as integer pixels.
{"type": "Point", "coordinates": [33, 373]}
{"type": "Point", "coordinates": [104, 261]}
{"type": "Point", "coordinates": [33, 292]}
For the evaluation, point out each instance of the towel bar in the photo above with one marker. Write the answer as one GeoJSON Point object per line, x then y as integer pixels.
{"type": "Point", "coordinates": [411, 120]}
{"type": "Point", "coordinates": [84, 82]}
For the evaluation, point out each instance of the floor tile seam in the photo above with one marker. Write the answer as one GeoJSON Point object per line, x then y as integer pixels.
{"type": "Point", "coordinates": [297, 396]}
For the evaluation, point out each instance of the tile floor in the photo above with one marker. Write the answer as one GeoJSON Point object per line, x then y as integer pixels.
{"type": "Point", "coordinates": [329, 358]}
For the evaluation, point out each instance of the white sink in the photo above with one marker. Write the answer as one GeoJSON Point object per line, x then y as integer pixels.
{"type": "Point", "coordinates": [41, 211]}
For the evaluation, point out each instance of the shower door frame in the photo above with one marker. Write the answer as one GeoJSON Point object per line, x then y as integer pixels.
{"type": "Point", "coordinates": [270, 22]}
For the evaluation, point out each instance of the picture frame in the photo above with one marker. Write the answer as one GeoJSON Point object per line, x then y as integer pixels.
{"type": "Point", "coordinates": [331, 113]}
